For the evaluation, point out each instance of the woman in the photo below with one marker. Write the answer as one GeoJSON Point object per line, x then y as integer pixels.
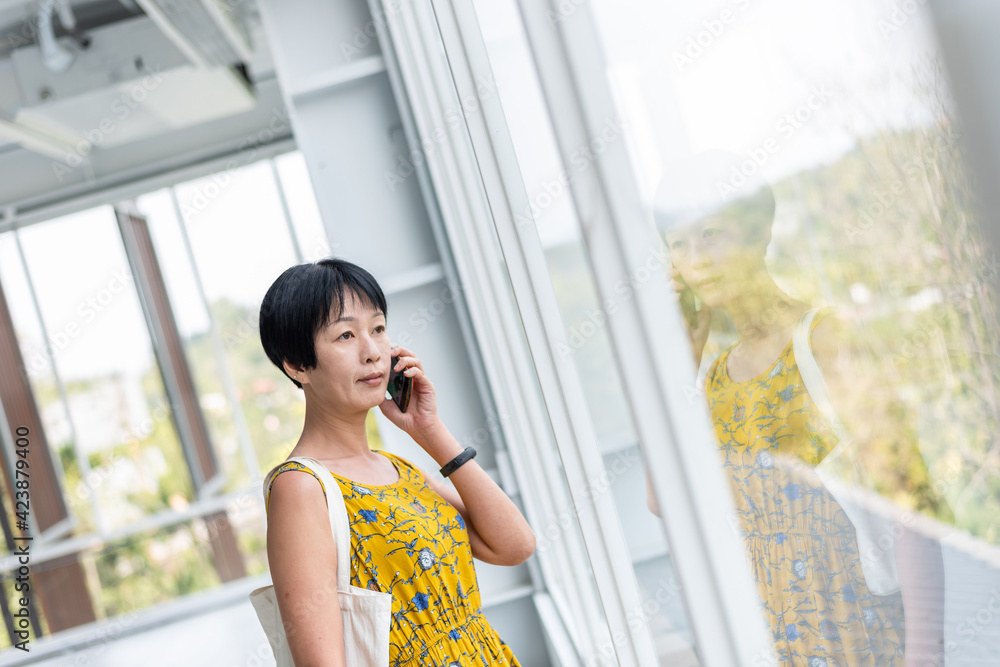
{"type": "Point", "coordinates": [802, 549]}
{"type": "Point", "coordinates": [324, 326]}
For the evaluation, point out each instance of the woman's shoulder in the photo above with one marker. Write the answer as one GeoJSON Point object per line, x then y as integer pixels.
{"type": "Point", "coordinates": [828, 317]}
{"type": "Point", "coordinates": [828, 332]}
{"type": "Point", "coordinates": [297, 486]}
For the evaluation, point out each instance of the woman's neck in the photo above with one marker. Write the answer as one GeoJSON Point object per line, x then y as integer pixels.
{"type": "Point", "coordinates": [334, 436]}
{"type": "Point", "coordinates": [761, 311]}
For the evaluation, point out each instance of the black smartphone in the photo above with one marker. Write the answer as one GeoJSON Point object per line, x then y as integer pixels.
{"type": "Point", "coordinates": [400, 386]}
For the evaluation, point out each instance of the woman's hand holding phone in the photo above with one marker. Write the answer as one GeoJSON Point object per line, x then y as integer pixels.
{"type": "Point", "coordinates": [699, 320]}
{"type": "Point", "coordinates": [420, 416]}
{"type": "Point", "coordinates": [420, 420]}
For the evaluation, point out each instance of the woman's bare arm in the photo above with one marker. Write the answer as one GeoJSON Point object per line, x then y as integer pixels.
{"type": "Point", "coordinates": [498, 532]}
{"type": "Point", "coordinates": [921, 580]}
{"type": "Point", "coordinates": [303, 560]}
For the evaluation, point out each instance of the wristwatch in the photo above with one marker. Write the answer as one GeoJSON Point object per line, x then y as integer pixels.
{"type": "Point", "coordinates": [467, 454]}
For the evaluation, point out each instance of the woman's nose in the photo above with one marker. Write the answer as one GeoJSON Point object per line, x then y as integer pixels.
{"type": "Point", "coordinates": [697, 257]}
{"type": "Point", "coordinates": [372, 352]}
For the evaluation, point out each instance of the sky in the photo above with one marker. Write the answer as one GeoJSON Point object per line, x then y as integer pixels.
{"type": "Point", "coordinates": [723, 74]}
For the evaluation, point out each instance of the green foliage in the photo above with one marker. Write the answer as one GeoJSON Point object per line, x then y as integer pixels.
{"type": "Point", "coordinates": [896, 218]}
{"type": "Point", "coordinates": [151, 568]}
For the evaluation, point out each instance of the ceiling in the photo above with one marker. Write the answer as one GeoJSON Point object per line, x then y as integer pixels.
{"type": "Point", "coordinates": [18, 17]}
{"type": "Point", "coordinates": [196, 100]}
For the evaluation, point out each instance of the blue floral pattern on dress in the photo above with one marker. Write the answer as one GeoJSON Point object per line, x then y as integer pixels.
{"type": "Point", "coordinates": [801, 547]}
{"type": "Point", "coordinates": [426, 558]}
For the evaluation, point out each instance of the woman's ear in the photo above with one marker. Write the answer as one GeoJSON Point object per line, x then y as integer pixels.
{"type": "Point", "coordinates": [297, 373]}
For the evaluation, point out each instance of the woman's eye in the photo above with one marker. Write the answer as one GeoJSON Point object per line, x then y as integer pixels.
{"type": "Point", "coordinates": [345, 335]}
{"type": "Point", "coordinates": [676, 244]}
{"type": "Point", "coordinates": [380, 328]}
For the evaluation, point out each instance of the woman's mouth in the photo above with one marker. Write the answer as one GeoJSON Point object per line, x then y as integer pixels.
{"type": "Point", "coordinates": [373, 380]}
{"type": "Point", "coordinates": [707, 282]}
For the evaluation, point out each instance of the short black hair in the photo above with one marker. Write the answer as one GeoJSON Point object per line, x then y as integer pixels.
{"type": "Point", "coordinates": [303, 300]}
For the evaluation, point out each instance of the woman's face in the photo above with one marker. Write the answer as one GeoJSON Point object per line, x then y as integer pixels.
{"type": "Point", "coordinates": [715, 258]}
{"type": "Point", "coordinates": [352, 358]}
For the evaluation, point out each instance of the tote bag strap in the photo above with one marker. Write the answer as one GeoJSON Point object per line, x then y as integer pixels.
{"type": "Point", "coordinates": [337, 511]}
{"type": "Point", "coordinates": [814, 381]}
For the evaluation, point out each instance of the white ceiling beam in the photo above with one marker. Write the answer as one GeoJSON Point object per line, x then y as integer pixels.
{"type": "Point", "coordinates": [34, 140]}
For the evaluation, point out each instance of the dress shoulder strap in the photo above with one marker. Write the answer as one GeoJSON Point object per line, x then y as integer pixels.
{"type": "Point", "coordinates": [715, 372]}
{"type": "Point", "coordinates": [405, 467]}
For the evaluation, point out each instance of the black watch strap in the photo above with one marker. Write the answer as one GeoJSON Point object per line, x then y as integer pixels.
{"type": "Point", "coordinates": [467, 455]}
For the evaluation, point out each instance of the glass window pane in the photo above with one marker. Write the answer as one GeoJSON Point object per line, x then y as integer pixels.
{"type": "Point", "coordinates": [308, 225]}
{"type": "Point", "coordinates": [241, 244]}
{"type": "Point", "coordinates": [800, 159]}
{"type": "Point", "coordinates": [119, 413]}
{"type": "Point", "coordinates": [153, 567]}
{"type": "Point", "coordinates": [41, 375]}
{"type": "Point", "coordinates": [196, 334]}
{"type": "Point", "coordinates": [805, 158]}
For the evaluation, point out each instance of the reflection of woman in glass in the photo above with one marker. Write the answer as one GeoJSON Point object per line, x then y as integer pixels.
{"type": "Point", "coordinates": [324, 326]}
{"type": "Point", "coordinates": [803, 550]}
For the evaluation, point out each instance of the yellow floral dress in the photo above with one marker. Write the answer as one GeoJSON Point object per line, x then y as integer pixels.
{"type": "Point", "coordinates": [409, 541]}
{"type": "Point", "coordinates": [802, 548]}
